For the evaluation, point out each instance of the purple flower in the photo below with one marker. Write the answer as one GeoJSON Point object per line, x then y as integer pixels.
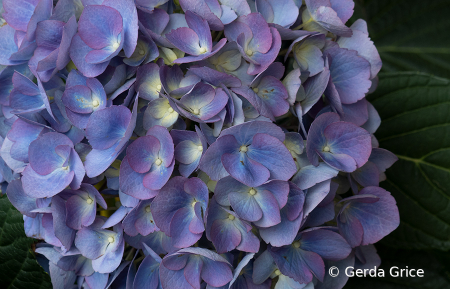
{"type": "Point", "coordinates": [148, 82]}
{"type": "Point", "coordinates": [217, 13]}
{"type": "Point", "coordinates": [147, 275]}
{"type": "Point", "coordinates": [281, 12]}
{"type": "Point", "coordinates": [303, 259]}
{"type": "Point", "coordinates": [179, 208]}
{"type": "Point", "coordinates": [260, 205]}
{"type": "Point", "coordinates": [243, 275]}
{"type": "Point", "coordinates": [82, 97]}
{"type": "Point", "coordinates": [9, 52]}
{"type": "Point", "coordinates": [342, 145]}
{"type": "Point", "coordinates": [25, 204]}
{"type": "Point", "coordinates": [21, 135]}
{"type": "Point", "coordinates": [53, 40]}
{"type": "Point", "coordinates": [159, 112]}
{"type": "Point", "coordinates": [81, 207]}
{"type": "Point", "coordinates": [148, 164]}
{"type": "Point", "coordinates": [258, 43]}
{"type": "Point", "coordinates": [150, 5]}
{"type": "Point", "coordinates": [175, 83]}
{"type": "Point", "coordinates": [103, 30]}
{"type": "Point", "coordinates": [252, 153]}
{"type": "Point", "coordinates": [228, 232]}
{"type": "Point", "coordinates": [187, 267]}
{"type": "Point", "coordinates": [104, 247]}
{"type": "Point", "coordinates": [361, 42]}
{"type": "Point", "coordinates": [99, 38]}
{"type": "Point", "coordinates": [327, 15]}
{"type": "Point", "coordinates": [307, 53]}
{"type": "Point", "coordinates": [189, 148]}
{"type": "Point", "coordinates": [27, 97]}
{"type": "Point", "coordinates": [54, 165]}
{"type": "Point", "coordinates": [291, 214]}
{"type": "Point", "coordinates": [267, 93]}
{"type": "Point", "coordinates": [346, 85]}
{"type": "Point", "coordinates": [108, 130]}
{"type": "Point", "coordinates": [195, 40]}
{"type": "Point", "coordinates": [202, 104]}
{"type": "Point", "coordinates": [140, 220]}
{"type": "Point", "coordinates": [158, 23]}
{"type": "Point", "coordinates": [372, 172]}
{"type": "Point", "coordinates": [368, 216]}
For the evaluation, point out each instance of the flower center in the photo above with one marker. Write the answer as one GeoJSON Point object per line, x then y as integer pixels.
{"type": "Point", "coordinates": [243, 149]}
{"type": "Point", "coordinates": [89, 201]}
{"type": "Point", "coordinates": [147, 209]}
{"type": "Point", "coordinates": [95, 103]}
{"type": "Point", "coordinates": [277, 272]}
{"type": "Point", "coordinates": [158, 162]}
{"type": "Point", "coordinates": [200, 148]}
{"type": "Point", "coordinates": [111, 239]}
{"type": "Point", "coordinates": [203, 50]}
{"type": "Point", "coordinates": [170, 110]}
{"type": "Point", "coordinates": [141, 52]}
{"type": "Point", "coordinates": [158, 87]}
{"type": "Point", "coordinates": [231, 217]}
{"type": "Point", "coordinates": [65, 168]}
{"type": "Point", "coordinates": [193, 203]}
{"type": "Point", "coordinates": [116, 45]}
{"type": "Point", "coordinates": [296, 244]}
{"type": "Point", "coordinates": [196, 111]}
{"type": "Point", "coordinates": [326, 149]}
{"type": "Point", "coordinates": [249, 52]}
{"type": "Point", "coordinates": [252, 192]}
{"type": "Point", "coordinates": [255, 90]}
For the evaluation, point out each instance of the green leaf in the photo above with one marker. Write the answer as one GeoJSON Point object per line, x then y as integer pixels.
{"type": "Point", "coordinates": [411, 35]}
{"type": "Point", "coordinates": [436, 274]}
{"type": "Point", "coordinates": [18, 267]}
{"type": "Point", "coordinates": [415, 113]}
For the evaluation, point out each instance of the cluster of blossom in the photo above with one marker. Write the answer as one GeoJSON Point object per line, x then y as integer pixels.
{"type": "Point", "coordinates": [193, 143]}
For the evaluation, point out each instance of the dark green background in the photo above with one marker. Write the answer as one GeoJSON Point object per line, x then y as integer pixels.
{"type": "Point", "coordinates": [413, 100]}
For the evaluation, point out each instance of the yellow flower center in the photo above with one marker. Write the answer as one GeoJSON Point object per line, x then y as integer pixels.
{"type": "Point", "coordinates": [95, 103]}
{"type": "Point", "coordinates": [249, 52]}
{"type": "Point", "coordinates": [203, 50]}
{"type": "Point", "coordinates": [326, 149]}
{"type": "Point", "coordinates": [111, 239]}
{"type": "Point", "coordinates": [231, 217]}
{"type": "Point", "coordinates": [158, 162]}
{"type": "Point", "coordinates": [200, 148]}
{"type": "Point", "coordinates": [147, 209]}
{"type": "Point", "coordinates": [255, 90]}
{"type": "Point", "coordinates": [243, 149]}
{"type": "Point", "coordinates": [277, 272]}
{"type": "Point", "coordinates": [296, 244]}
{"type": "Point", "coordinates": [89, 201]}
{"type": "Point", "coordinates": [116, 45]}
{"type": "Point", "coordinates": [141, 52]}
{"type": "Point", "coordinates": [252, 192]}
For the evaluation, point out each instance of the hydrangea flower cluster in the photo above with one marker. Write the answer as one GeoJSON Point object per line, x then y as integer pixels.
{"type": "Point", "coordinates": [193, 143]}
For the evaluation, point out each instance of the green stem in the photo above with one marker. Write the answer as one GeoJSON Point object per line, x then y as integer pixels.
{"type": "Point", "coordinates": [130, 254]}
{"type": "Point", "coordinates": [303, 24]}
{"type": "Point", "coordinates": [219, 35]}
